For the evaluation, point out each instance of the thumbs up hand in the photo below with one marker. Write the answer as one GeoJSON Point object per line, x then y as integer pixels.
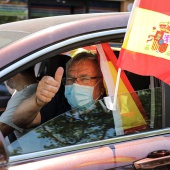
{"type": "Point", "coordinates": [48, 87]}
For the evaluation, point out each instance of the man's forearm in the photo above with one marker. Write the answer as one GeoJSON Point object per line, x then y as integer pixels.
{"type": "Point", "coordinates": [26, 115]}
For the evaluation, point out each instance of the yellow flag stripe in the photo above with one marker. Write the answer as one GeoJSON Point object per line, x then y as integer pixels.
{"type": "Point", "coordinates": [131, 116]}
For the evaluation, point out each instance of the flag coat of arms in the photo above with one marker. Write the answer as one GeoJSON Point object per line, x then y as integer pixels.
{"type": "Point", "coordinates": [146, 49]}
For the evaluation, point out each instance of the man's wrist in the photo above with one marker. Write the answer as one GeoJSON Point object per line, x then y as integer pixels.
{"type": "Point", "coordinates": [39, 102]}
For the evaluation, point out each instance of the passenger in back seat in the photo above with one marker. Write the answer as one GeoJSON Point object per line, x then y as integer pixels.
{"type": "Point", "coordinates": [25, 84]}
{"type": "Point", "coordinates": [83, 84]}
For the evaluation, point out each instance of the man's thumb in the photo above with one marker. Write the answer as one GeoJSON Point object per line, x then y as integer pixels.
{"type": "Point", "coordinates": [59, 74]}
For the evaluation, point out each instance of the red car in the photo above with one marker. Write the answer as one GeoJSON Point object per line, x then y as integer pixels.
{"type": "Point", "coordinates": [89, 141]}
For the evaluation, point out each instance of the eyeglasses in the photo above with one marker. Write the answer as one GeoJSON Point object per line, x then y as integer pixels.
{"type": "Point", "coordinates": [83, 80]}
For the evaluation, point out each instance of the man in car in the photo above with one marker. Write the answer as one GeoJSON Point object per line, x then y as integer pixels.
{"type": "Point", "coordinates": [25, 84]}
{"type": "Point", "coordinates": [83, 84]}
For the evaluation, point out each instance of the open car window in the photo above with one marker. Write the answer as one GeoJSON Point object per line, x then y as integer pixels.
{"type": "Point", "coordinates": [136, 112]}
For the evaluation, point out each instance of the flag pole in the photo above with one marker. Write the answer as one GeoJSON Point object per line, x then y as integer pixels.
{"type": "Point", "coordinates": [116, 88]}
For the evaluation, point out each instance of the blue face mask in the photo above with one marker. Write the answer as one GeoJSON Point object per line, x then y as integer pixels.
{"type": "Point", "coordinates": [79, 95]}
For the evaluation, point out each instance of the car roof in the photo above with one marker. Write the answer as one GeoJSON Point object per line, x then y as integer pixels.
{"type": "Point", "coordinates": [18, 39]}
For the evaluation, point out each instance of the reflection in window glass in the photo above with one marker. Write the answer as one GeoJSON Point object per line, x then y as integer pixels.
{"type": "Point", "coordinates": [95, 123]}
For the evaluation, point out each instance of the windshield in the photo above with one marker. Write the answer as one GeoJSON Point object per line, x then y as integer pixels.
{"type": "Point", "coordinates": [136, 112]}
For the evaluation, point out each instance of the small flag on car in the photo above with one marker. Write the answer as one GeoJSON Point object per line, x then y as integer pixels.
{"type": "Point", "coordinates": [129, 116]}
{"type": "Point", "coordinates": [146, 49]}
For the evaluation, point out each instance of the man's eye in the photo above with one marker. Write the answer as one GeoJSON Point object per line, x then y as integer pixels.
{"type": "Point", "coordinates": [84, 78]}
{"type": "Point", "coordinates": [70, 80]}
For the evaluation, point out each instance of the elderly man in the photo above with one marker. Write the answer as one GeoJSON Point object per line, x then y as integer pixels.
{"type": "Point", "coordinates": [25, 84]}
{"type": "Point", "coordinates": [83, 85]}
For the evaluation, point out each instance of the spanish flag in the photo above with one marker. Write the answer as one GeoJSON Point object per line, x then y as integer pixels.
{"type": "Point", "coordinates": [129, 116]}
{"type": "Point", "coordinates": [146, 49]}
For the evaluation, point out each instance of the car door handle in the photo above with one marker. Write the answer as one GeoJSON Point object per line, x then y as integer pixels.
{"type": "Point", "coordinates": [154, 159]}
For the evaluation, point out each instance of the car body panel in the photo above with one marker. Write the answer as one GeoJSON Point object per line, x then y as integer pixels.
{"type": "Point", "coordinates": [104, 157]}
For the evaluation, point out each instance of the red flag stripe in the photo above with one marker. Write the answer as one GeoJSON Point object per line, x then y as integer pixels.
{"type": "Point", "coordinates": [145, 65]}
{"type": "Point", "coordinates": [161, 6]}
{"type": "Point", "coordinates": [111, 56]}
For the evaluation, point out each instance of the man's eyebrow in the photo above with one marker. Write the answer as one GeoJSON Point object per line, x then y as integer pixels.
{"type": "Point", "coordinates": [82, 75]}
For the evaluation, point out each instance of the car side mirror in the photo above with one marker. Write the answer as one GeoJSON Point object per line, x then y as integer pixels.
{"type": "Point", "coordinates": [4, 155]}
